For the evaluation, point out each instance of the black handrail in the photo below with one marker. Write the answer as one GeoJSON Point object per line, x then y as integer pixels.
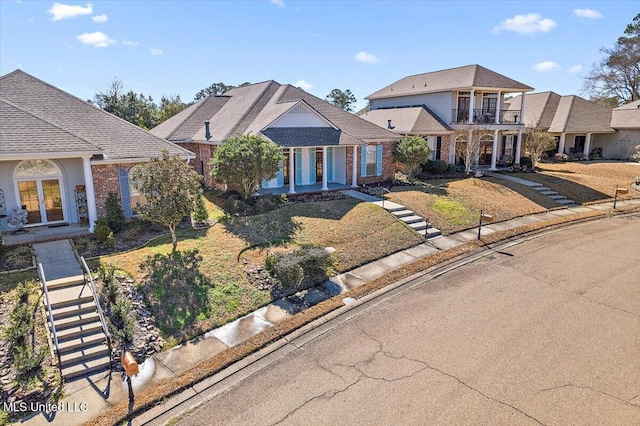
{"type": "Point", "coordinates": [98, 307]}
{"type": "Point", "coordinates": [46, 298]}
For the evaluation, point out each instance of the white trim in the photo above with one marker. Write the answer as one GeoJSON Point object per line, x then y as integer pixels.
{"type": "Point", "coordinates": [324, 169]}
{"type": "Point", "coordinates": [308, 107]}
{"type": "Point", "coordinates": [518, 147]}
{"type": "Point", "coordinates": [292, 171]}
{"type": "Point", "coordinates": [47, 155]}
{"type": "Point", "coordinates": [38, 181]}
{"type": "Point", "coordinates": [494, 151]}
{"type": "Point", "coordinates": [134, 160]}
{"type": "Point", "coordinates": [354, 167]}
{"type": "Point", "coordinates": [91, 193]}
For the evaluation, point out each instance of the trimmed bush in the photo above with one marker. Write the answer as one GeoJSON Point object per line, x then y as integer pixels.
{"type": "Point", "coordinates": [302, 268]}
{"type": "Point", "coordinates": [115, 216]}
{"type": "Point", "coordinates": [289, 272]}
{"type": "Point", "coordinates": [123, 319]}
{"type": "Point", "coordinates": [436, 166]}
{"type": "Point", "coordinates": [103, 233]}
{"type": "Point", "coordinates": [526, 162]}
{"type": "Point", "coordinates": [200, 213]}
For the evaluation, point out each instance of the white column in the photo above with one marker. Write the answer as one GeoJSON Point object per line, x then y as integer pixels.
{"type": "Point", "coordinates": [518, 146]}
{"type": "Point", "coordinates": [498, 107]}
{"type": "Point", "coordinates": [561, 143]}
{"type": "Point", "coordinates": [91, 193]}
{"type": "Point", "coordinates": [354, 167]}
{"type": "Point", "coordinates": [471, 105]}
{"type": "Point", "coordinates": [587, 145]}
{"type": "Point", "coordinates": [522, 110]}
{"type": "Point", "coordinates": [452, 149]}
{"type": "Point", "coordinates": [470, 146]}
{"type": "Point", "coordinates": [324, 169]}
{"type": "Point", "coordinates": [292, 171]}
{"type": "Point", "coordinates": [494, 151]}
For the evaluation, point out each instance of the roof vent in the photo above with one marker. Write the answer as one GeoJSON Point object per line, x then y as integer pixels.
{"type": "Point", "coordinates": [389, 126]}
{"type": "Point", "coordinates": [207, 133]}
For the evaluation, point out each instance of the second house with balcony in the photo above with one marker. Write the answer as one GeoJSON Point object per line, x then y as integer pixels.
{"type": "Point", "coordinates": [446, 107]}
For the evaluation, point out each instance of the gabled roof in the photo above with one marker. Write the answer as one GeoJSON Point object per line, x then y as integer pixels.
{"type": "Point", "coordinates": [461, 78]}
{"type": "Point", "coordinates": [575, 114]}
{"type": "Point", "coordinates": [417, 120]}
{"type": "Point", "coordinates": [253, 108]}
{"type": "Point", "coordinates": [626, 116]}
{"type": "Point", "coordinates": [539, 108]}
{"type": "Point", "coordinates": [60, 111]}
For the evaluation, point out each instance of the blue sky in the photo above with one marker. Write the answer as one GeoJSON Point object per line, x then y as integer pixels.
{"type": "Point", "coordinates": [164, 47]}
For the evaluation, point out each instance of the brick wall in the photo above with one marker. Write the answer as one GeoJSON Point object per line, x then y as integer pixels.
{"type": "Point", "coordinates": [203, 153]}
{"type": "Point", "coordinates": [445, 148]}
{"type": "Point", "coordinates": [388, 164]}
{"type": "Point", "coordinates": [105, 180]}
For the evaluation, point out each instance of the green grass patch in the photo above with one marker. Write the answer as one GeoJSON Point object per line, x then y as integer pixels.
{"type": "Point", "coordinates": [454, 211]}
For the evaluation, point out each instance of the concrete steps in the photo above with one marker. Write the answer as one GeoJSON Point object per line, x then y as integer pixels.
{"type": "Point", "coordinates": [558, 198]}
{"type": "Point", "coordinates": [82, 342]}
{"type": "Point", "coordinates": [412, 220]}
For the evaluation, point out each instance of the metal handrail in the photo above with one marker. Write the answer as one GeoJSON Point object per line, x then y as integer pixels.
{"type": "Point", "coordinates": [97, 301]}
{"type": "Point", "coordinates": [46, 297]}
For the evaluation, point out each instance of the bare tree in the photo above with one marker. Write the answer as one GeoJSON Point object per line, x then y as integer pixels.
{"type": "Point", "coordinates": [536, 142]}
{"type": "Point", "coordinates": [468, 141]}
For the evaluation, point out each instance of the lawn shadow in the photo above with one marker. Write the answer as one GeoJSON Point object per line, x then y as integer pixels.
{"type": "Point", "coordinates": [175, 289]}
{"type": "Point", "coordinates": [435, 187]}
{"type": "Point", "coordinates": [573, 190]}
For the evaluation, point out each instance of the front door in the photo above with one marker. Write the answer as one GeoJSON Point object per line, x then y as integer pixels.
{"type": "Point", "coordinates": [463, 109]}
{"type": "Point", "coordinates": [318, 164]}
{"type": "Point", "coordinates": [38, 186]}
{"type": "Point", "coordinates": [42, 199]}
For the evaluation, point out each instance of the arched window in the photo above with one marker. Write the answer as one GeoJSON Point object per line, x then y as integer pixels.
{"type": "Point", "coordinates": [36, 168]}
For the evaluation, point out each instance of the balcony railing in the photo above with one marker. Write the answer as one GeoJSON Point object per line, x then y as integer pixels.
{"type": "Point", "coordinates": [482, 116]}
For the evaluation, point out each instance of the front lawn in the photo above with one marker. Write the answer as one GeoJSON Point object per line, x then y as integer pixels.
{"type": "Point", "coordinates": [204, 285]}
{"type": "Point", "coordinates": [585, 182]}
{"type": "Point", "coordinates": [454, 205]}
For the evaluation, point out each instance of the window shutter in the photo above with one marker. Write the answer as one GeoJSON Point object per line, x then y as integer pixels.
{"type": "Point", "coordinates": [298, 166]}
{"type": "Point", "coordinates": [280, 177]}
{"type": "Point", "coordinates": [379, 160]}
{"type": "Point", "coordinates": [363, 161]}
{"type": "Point", "coordinates": [438, 147]}
{"type": "Point", "coordinates": [329, 164]}
{"type": "Point", "coordinates": [312, 165]}
{"type": "Point", "coordinates": [125, 197]}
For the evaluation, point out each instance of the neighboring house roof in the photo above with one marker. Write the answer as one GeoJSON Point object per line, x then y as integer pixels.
{"type": "Point", "coordinates": [539, 108]}
{"type": "Point", "coordinates": [626, 116]}
{"type": "Point", "coordinates": [408, 120]}
{"type": "Point", "coordinates": [575, 114]}
{"type": "Point", "coordinates": [23, 132]}
{"type": "Point", "coordinates": [459, 78]}
{"type": "Point", "coordinates": [254, 108]}
{"type": "Point", "coordinates": [59, 111]}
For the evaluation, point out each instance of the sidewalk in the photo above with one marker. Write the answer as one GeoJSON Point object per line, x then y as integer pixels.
{"type": "Point", "coordinates": [172, 362]}
{"type": "Point", "coordinates": [58, 259]}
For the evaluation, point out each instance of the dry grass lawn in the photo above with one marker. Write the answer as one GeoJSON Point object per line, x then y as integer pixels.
{"type": "Point", "coordinates": [454, 205]}
{"type": "Point", "coordinates": [586, 182]}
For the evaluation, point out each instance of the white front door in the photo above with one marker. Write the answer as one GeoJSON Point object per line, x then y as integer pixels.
{"type": "Point", "coordinates": [38, 189]}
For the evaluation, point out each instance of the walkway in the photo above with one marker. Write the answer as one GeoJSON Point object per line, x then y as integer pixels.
{"type": "Point", "coordinates": [58, 259]}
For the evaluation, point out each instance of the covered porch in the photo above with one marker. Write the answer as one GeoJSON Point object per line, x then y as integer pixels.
{"type": "Point", "coordinates": [44, 233]}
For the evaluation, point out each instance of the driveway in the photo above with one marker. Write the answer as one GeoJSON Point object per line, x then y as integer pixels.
{"type": "Point", "coordinates": [544, 332]}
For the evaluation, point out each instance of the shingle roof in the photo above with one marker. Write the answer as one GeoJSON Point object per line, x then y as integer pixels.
{"type": "Point", "coordinates": [459, 78]}
{"type": "Point", "coordinates": [575, 114]}
{"type": "Point", "coordinates": [309, 136]}
{"type": "Point", "coordinates": [252, 108]}
{"type": "Point", "coordinates": [23, 132]}
{"type": "Point", "coordinates": [117, 138]}
{"type": "Point", "coordinates": [539, 108]}
{"type": "Point", "coordinates": [626, 116]}
{"type": "Point", "coordinates": [408, 120]}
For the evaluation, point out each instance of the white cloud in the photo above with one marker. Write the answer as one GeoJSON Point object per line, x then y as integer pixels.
{"type": "Point", "coordinates": [530, 23]}
{"type": "Point", "coordinates": [97, 39]}
{"type": "Point", "coordinates": [303, 85]}
{"type": "Point", "coordinates": [575, 69]}
{"type": "Point", "coordinates": [367, 58]}
{"type": "Point", "coordinates": [547, 66]}
{"type": "Point", "coordinates": [130, 43]}
{"type": "Point", "coordinates": [63, 11]}
{"type": "Point", "coordinates": [100, 18]}
{"type": "Point", "coordinates": [588, 13]}
{"type": "Point", "coordinates": [156, 52]}
{"type": "Point", "coordinates": [279, 3]}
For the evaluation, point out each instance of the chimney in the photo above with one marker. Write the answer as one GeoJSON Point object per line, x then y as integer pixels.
{"type": "Point", "coordinates": [207, 133]}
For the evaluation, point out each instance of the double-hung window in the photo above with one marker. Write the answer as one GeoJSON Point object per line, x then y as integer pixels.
{"type": "Point", "coordinates": [371, 161]}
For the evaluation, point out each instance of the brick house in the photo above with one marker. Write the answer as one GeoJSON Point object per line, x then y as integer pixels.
{"type": "Point", "coordinates": [324, 146]}
{"type": "Point", "coordinates": [439, 105]}
{"type": "Point", "coordinates": [60, 156]}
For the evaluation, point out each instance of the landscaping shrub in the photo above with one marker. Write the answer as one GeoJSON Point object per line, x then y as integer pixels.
{"type": "Point", "coordinates": [103, 233]}
{"type": "Point", "coordinates": [27, 359]}
{"type": "Point", "coordinates": [115, 216]}
{"type": "Point", "coordinates": [302, 268]}
{"type": "Point", "coordinates": [122, 319]}
{"type": "Point", "coordinates": [526, 162]}
{"type": "Point", "coordinates": [110, 289]}
{"type": "Point", "coordinates": [436, 166]}
{"type": "Point", "coordinates": [200, 213]}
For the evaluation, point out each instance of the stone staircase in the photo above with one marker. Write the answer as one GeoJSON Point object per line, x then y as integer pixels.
{"type": "Point", "coordinates": [83, 347]}
{"type": "Point", "coordinates": [558, 198]}
{"type": "Point", "coordinates": [413, 221]}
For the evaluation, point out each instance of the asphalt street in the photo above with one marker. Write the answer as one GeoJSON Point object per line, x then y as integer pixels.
{"type": "Point", "coordinates": [543, 332]}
